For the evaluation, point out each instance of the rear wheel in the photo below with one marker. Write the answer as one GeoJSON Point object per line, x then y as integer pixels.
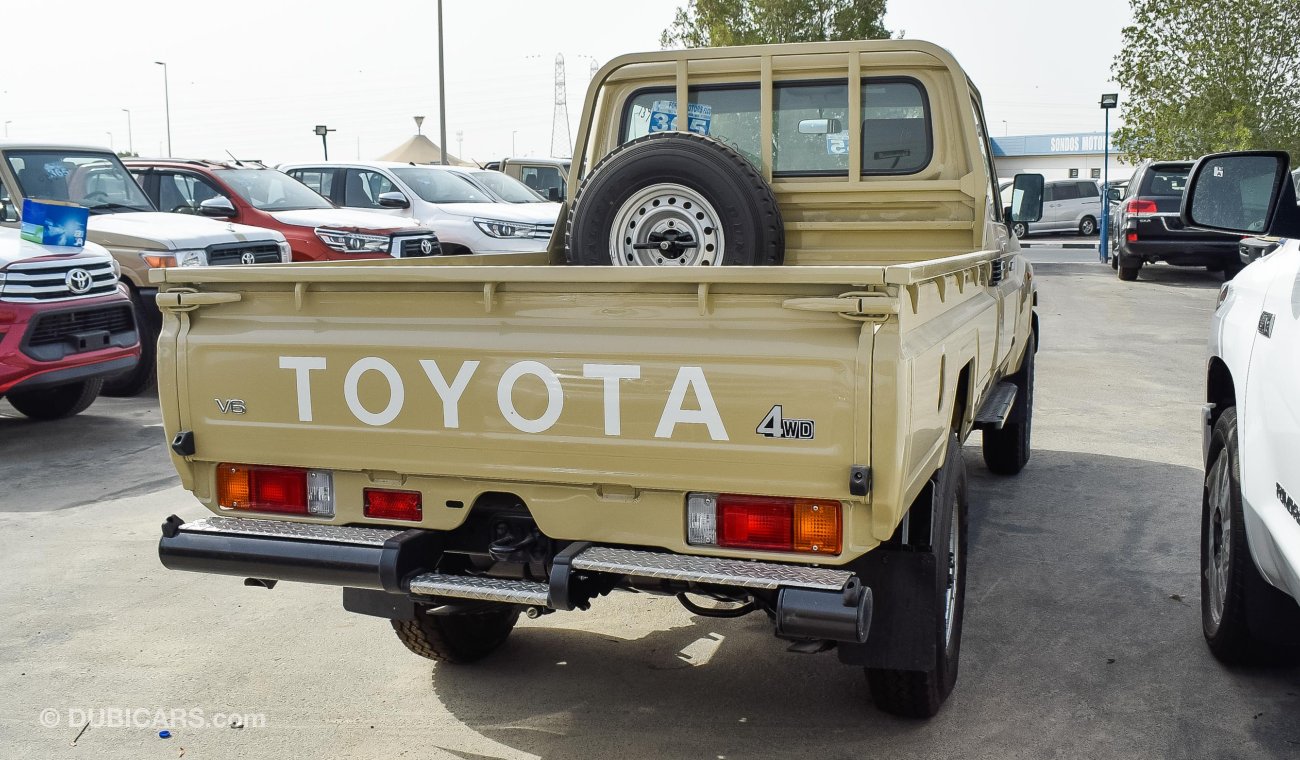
{"type": "Point", "coordinates": [919, 694]}
{"type": "Point", "coordinates": [1233, 593]}
{"type": "Point", "coordinates": [57, 402]}
{"type": "Point", "coordinates": [1006, 451]}
{"type": "Point", "coordinates": [1127, 269]}
{"type": "Point", "coordinates": [459, 637]}
{"type": "Point", "coordinates": [1088, 226]}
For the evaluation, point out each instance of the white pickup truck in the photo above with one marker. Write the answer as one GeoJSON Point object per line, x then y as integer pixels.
{"type": "Point", "coordinates": [1250, 526]}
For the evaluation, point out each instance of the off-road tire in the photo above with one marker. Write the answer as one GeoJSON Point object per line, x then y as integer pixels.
{"type": "Point", "coordinates": [457, 638]}
{"type": "Point", "coordinates": [917, 694]}
{"type": "Point", "coordinates": [57, 402]}
{"type": "Point", "coordinates": [144, 374]}
{"type": "Point", "coordinates": [1087, 226]}
{"type": "Point", "coordinates": [1231, 639]}
{"type": "Point", "coordinates": [750, 218]}
{"type": "Point", "coordinates": [1007, 451]}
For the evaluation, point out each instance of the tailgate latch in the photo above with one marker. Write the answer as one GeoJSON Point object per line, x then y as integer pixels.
{"type": "Point", "coordinates": [187, 299]}
{"type": "Point", "coordinates": [861, 307]}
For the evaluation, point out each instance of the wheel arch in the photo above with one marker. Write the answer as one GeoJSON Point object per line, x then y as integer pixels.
{"type": "Point", "coordinates": [1220, 389]}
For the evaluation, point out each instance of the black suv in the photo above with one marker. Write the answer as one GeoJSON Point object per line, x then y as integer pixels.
{"type": "Point", "coordinates": [1146, 229]}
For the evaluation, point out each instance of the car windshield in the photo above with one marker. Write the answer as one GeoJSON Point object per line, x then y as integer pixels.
{"type": "Point", "coordinates": [508, 188]}
{"type": "Point", "coordinates": [442, 186]}
{"type": "Point", "coordinates": [94, 179]}
{"type": "Point", "coordinates": [1168, 180]}
{"type": "Point", "coordinates": [269, 190]}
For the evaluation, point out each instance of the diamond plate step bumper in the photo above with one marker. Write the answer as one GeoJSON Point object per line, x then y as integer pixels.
{"type": "Point", "coordinates": [810, 601]}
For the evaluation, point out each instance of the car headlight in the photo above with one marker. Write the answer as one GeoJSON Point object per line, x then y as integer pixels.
{"type": "Point", "coordinates": [161, 260]}
{"type": "Point", "coordinates": [286, 253]}
{"type": "Point", "coordinates": [353, 242]}
{"type": "Point", "coordinates": [501, 229]}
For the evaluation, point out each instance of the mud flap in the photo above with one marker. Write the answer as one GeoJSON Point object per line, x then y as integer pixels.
{"type": "Point", "coordinates": [903, 584]}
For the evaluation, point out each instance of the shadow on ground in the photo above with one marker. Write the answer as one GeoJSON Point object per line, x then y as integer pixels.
{"type": "Point", "coordinates": [1087, 543]}
{"type": "Point", "coordinates": [112, 450]}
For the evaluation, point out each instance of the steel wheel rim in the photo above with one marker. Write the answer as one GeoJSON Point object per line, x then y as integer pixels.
{"type": "Point", "coordinates": [954, 569]}
{"type": "Point", "coordinates": [1218, 538]}
{"type": "Point", "coordinates": [678, 221]}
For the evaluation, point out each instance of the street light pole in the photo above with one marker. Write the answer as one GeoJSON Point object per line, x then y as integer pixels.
{"type": "Point", "coordinates": [7, 123]}
{"type": "Point", "coordinates": [442, 95]}
{"type": "Point", "coordinates": [130, 140]}
{"type": "Point", "coordinates": [1108, 101]}
{"type": "Point", "coordinates": [513, 152]}
{"type": "Point", "coordinates": [324, 131]}
{"type": "Point", "coordinates": [110, 141]}
{"type": "Point", "coordinates": [167, 101]}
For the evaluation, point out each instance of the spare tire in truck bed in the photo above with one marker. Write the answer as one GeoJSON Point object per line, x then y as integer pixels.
{"type": "Point", "coordinates": [675, 199]}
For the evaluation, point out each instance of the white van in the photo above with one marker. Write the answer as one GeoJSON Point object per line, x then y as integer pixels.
{"type": "Point", "coordinates": [1069, 205]}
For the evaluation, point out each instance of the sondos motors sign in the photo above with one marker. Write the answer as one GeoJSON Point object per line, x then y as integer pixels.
{"type": "Point", "coordinates": [449, 387]}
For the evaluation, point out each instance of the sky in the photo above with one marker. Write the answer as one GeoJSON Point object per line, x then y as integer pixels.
{"type": "Point", "coordinates": [254, 78]}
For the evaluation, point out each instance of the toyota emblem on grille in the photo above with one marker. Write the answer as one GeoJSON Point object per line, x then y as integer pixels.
{"type": "Point", "coordinates": [248, 258]}
{"type": "Point", "coordinates": [79, 281]}
{"type": "Point", "coordinates": [426, 246]}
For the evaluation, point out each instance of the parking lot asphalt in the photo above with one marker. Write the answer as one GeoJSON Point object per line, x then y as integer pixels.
{"type": "Point", "coordinates": [1082, 635]}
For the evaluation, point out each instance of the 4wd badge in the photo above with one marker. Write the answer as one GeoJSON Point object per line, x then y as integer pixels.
{"type": "Point", "coordinates": [774, 425]}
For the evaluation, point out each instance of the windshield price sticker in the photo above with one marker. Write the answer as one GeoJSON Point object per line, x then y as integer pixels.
{"type": "Point", "coordinates": [837, 144]}
{"type": "Point", "coordinates": [663, 117]}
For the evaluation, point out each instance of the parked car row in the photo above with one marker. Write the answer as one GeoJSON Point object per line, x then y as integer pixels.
{"type": "Point", "coordinates": [159, 213]}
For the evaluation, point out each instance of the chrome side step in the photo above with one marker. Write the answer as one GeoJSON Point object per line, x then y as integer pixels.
{"type": "Point", "coordinates": [993, 414]}
{"type": "Point", "coordinates": [718, 570]}
{"type": "Point", "coordinates": [481, 588]}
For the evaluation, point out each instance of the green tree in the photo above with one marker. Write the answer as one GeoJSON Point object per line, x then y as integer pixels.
{"type": "Point", "coordinates": [1205, 75]}
{"type": "Point", "coordinates": [718, 23]}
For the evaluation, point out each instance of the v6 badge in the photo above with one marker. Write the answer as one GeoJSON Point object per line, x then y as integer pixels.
{"type": "Point", "coordinates": [776, 425]}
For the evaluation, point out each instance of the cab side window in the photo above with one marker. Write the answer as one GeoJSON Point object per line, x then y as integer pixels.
{"type": "Point", "coordinates": [320, 181]}
{"type": "Point", "coordinates": [362, 188]}
{"type": "Point", "coordinates": [182, 193]}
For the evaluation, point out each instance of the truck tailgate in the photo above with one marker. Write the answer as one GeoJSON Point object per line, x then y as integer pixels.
{"type": "Point", "coordinates": [566, 385]}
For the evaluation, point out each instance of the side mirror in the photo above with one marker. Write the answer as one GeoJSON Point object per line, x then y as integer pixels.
{"type": "Point", "coordinates": [8, 212]}
{"type": "Point", "coordinates": [1243, 192]}
{"type": "Point", "coordinates": [553, 194]}
{"type": "Point", "coordinates": [1114, 194]}
{"type": "Point", "coordinates": [1027, 198]}
{"type": "Point", "coordinates": [393, 200]}
{"type": "Point", "coordinates": [219, 207]}
{"type": "Point", "coordinates": [820, 127]}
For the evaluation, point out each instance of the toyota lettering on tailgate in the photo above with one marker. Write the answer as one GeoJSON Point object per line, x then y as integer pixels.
{"type": "Point", "coordinates": [690, 381]}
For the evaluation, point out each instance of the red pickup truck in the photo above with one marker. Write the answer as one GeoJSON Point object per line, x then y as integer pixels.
{"type": "Point", "coordinates": [66, 323]}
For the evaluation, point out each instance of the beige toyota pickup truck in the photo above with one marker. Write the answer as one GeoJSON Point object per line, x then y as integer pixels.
{"type": "Point", "coordinates": [741, 375]}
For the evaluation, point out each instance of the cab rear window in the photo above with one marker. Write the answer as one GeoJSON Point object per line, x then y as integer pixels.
{"type": "Point", "coordinates": [810, 133]}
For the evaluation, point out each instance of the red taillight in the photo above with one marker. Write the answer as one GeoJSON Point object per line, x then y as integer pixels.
{"type": "Point", "coordinates": [382, 504]}
{"type": "Point", "coordinates": [262, 489]}
{"type": "Point", "coordinates": [1140, 206]}
{"type": "Point", "coordinates": [782, 525]}
{"type": "Point", "coordinates": [753, 522]}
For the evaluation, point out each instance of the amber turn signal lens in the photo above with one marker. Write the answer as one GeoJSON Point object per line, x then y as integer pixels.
{"type": "Point", "coordinates": [817, 526]}
{"type": "Point", "coordinates": [234, 486]}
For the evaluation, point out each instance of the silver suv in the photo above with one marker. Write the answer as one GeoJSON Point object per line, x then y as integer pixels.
{"type": "Point", "coordinates": [1069, 205]}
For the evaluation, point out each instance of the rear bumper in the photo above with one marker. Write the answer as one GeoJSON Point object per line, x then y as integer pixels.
{"type": "Point", "coordinates": [1181, 252]}
{"type": "Point", "coordinates": [809, 602]}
